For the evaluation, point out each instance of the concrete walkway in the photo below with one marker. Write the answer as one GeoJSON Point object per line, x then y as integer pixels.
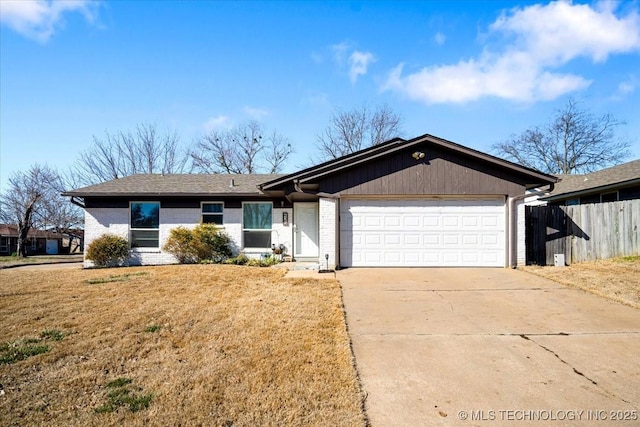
{"type": "Point", "coordinates": [490, 347]}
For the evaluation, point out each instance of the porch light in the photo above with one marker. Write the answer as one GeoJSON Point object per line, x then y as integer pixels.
{"type": "Point", "coordinates": [418, 155]}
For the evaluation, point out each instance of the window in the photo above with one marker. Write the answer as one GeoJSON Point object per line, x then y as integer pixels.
{"type": "Point", "coordinates": [4, 244]}
{"type": "Point", "coordinates": [145, 224]}
{"type": "Point", "coordinates": [256, 225]}
{"type": "Point", "coordinates": [609, 197]}
{"type": "Point", "coordinates": [212, 213]}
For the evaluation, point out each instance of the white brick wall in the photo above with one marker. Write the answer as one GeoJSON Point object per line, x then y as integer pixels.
{"type": "Point", "coordinates": [99, 221]}
{"type": "Point", "coordinates": [282, 234]}
{"type": "Point", "coordinates": [328, 218]}
{"type": "Point", "coordinates": [233, 227]}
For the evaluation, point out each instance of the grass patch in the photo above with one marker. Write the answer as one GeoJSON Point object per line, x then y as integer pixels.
{"type": "Point", "coordinates": [152, 328]}
{"type": "Point", "coordinates": [122, 395]}
{"type": "Point", "coordinates": [20, 350]}
{"type": "Point", "coordinates": [115, 278]}
{"type": "Point", "coordinates": [239, 346]}
{"type": "Point", "coordinates": [16, 351]}
{"type": "Point", "coordinates": [52, 334]}
{"type": "Point", "coordinates": [617, 279]}
{"type": "Point", "coordinates": [627, 259]}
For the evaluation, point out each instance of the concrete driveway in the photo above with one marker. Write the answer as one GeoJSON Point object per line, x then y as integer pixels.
{"type": "Point", "coordinates": [490, 347]}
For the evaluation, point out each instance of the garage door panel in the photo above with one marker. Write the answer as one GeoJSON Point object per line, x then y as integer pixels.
{"type": "Point", "coordinates": [451, 240]}
{"type": "Point", "coordinates": [427, 232]}
{"type": "Point", "coordinates": [393, 239]}
{"type": "Point", "coordinates": [449, 221]}
{"type": "Point", "coordinates": [391, 222]}
{"type": "Point", "coordinates": [490, 221]}
{"type": "Point", "coordinates": [470, 221]}
{"type": "Point", "coordinates": [490, 240]}
{"type": "Point", "coordinates": [470, 240]}
{"type": "Point", "coordinates": [412, 239]}
{"type": "Point", "coordinates": [409, 221]}
{"type": "Point", "coordinates": [431, 221]}
{"type": "Point", "coordinates": [432, 240]}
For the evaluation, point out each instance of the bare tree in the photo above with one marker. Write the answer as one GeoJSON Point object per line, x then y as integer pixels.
{"type": "Point", "coordinates": [575, 141]}
{"type": "Point", "coordinates": [126, 153]}
{"type": "Point", "coordinates": [350, 131]}
{"type": "Point", "coordinates": [32, 199]}
{"type": "Point", "coordinates": [242, 149]}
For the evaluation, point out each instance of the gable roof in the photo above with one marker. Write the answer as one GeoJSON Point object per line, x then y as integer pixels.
{"type": "Point", "coordinates": [176, 185]}
{"type": "Point", "coordinates": [602, 180]}
{"type": "Point", "coordinates": [396, 144]}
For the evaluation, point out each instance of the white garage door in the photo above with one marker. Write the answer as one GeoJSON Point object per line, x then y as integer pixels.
{"type": "Point", "coordinates": [432, 232]}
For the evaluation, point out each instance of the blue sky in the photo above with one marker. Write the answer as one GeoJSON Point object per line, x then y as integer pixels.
{"type": "Point", "coordinates": [472, 72]}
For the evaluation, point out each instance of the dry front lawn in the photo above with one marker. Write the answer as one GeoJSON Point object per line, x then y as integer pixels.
{"type": "Point", "coordinates": [617, 279]}
{"type": "Point", "coordinates": [175, 345]}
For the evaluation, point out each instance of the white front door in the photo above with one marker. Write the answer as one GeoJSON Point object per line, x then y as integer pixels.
{"type": "Point", "coordinates": [305, 217]}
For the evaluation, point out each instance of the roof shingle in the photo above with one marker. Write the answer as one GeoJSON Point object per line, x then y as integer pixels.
{"type": "Point", "coordinates": [616, 174]}
{"type": "Point", "coordinates": [177, 184]}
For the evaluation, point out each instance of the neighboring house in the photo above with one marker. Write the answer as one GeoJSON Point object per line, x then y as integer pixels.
{"type": "Point", "coordinates": [613, 184]}
{"type": "Point", "coordinates": [419, 202]}
{"type": "Point", "coordinates": [39, 242]}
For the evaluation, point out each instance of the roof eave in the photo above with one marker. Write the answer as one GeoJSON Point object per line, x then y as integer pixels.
{"type": "Point", "coordinates": [156, 194]}
{"type": "Point", "coordinates": [587, 191]}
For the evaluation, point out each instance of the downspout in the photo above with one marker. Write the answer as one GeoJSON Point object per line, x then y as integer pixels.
{"type": "Point", "coordinates": [512, 223]}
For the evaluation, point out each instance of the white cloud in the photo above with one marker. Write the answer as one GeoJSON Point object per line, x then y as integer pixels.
{"type": "Point", "coordinates": [39, 19]}
{"type": "Point", "coordinates": [340, 51]}
{"type": "Point", "coordinates": [255, 113]}
{"type": "Point", "coordinates": [217, 122]}
{"type": "Point", "coordinates": [542, 39]}
{"type": "Point", "coordinates": [627, 86]}
{"type": "Point", "coordinates": [439, 38]}
{"type": "Point", "coordinates": [359, 63]}
{"type": "Point", "coordinates": [354, 61]}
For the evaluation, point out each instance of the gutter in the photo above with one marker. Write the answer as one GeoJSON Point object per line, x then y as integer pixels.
{"type": "Point", "coordinates": [512, 223]}
{"type": "Point", "coordinates": [296, 186]}
{"type": "Point", "coordinates": [77, 201]}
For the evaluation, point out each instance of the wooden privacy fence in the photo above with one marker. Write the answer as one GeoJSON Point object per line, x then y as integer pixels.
{"type": "Point", "coordinates": [582, 232]}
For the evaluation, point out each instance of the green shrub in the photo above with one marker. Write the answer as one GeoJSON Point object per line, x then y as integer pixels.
{"type": "Point", "coordinates": [204, 243]}
{"type": "Point", "coordinates": [241, 259]}
{"type": "Point", "coordinates": [212, 244]}
{"type": "Point", "coordinates": [108, 249]}
{"type": "Point", "coordinates": [181, 245]}
{"type": "Point", "coordinates": [263, 262]}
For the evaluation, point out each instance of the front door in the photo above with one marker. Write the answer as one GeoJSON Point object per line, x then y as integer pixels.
{"type": "Point", "coordinates": [305, 217]}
